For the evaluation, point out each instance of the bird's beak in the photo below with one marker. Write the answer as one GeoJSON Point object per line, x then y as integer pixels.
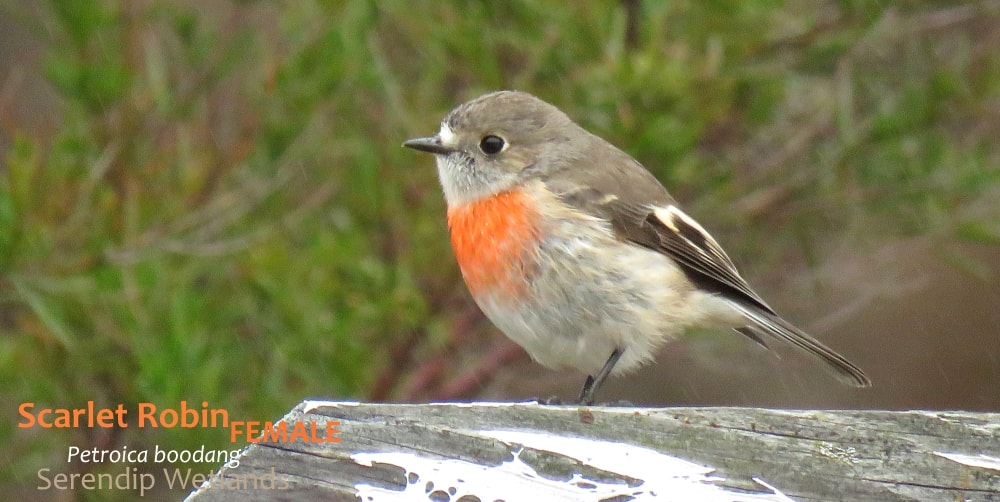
{"type": "Point", "coordinates": [432, 145]}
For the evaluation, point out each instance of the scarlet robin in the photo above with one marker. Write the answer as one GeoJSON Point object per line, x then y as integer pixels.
{"type": "Point", "coordinates": [577, 253]}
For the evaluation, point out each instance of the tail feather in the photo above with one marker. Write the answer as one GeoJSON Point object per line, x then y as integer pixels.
{"type": "Point", "coordinates": [764, 324]}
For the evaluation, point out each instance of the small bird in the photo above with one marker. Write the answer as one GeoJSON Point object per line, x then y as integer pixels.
{"type": "Point", "coordinates": [577, 253]}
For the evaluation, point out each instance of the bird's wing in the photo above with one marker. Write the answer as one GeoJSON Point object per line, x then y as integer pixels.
{"type": "Point", "coordinates": [668, 230]}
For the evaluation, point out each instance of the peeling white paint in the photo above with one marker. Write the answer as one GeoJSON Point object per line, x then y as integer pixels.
{"type": "Point", "coordinates": [661, 477]}
{"type": "Point", "coordinates": [981, 461]}
{"type": "Point", "coordinates": [488, 404]}
{"type": "Point", "coordinates": [313, 405]}
{"type": "Point", "coordinates": [780, 496]}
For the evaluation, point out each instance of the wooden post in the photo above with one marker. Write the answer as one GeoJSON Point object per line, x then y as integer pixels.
{"type": "Point", "coordinates": [526, 451]}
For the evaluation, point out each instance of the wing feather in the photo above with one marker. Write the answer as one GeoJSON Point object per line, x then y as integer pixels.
{"type": "Point", "coordinates": [689, 244]}
{"type": "Point", "coordinates": [666, 229]}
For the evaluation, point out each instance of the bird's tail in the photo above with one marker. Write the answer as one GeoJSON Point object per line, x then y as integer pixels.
{"type": "Point", "coordinates": [762, 325]}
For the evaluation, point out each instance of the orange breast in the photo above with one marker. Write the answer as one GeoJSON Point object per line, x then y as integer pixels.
{"type": "Point", "coordinates": [495, 241]}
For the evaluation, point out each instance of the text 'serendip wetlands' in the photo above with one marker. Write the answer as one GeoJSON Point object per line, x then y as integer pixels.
{"type": "Point", "coordinates": [136, 472]}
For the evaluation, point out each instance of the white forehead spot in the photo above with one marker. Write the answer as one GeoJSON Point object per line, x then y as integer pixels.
{"type": "Point", "coordinates": [447, 136]}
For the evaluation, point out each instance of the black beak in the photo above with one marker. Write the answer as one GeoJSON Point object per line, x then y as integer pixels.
{"type": "Point", "coordinates": [431, 145]}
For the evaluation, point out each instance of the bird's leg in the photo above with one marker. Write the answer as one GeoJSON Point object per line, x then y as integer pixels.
{"type": "Point", "coordinates": [594, 382]}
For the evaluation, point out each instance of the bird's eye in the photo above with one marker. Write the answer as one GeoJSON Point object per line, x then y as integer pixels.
{"type": "Point", "coordinates": [491, 144]}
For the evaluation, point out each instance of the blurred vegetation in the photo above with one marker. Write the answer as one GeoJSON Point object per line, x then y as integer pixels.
{"type": "Point", "coordinates": [221, 211]}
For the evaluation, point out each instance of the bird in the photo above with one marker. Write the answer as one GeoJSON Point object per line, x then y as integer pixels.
{"type": "Point", "coordinates": [577, 253]}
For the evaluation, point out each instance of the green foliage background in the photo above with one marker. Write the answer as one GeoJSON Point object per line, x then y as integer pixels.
{"type": "Point", "coordinates": [218, 208]}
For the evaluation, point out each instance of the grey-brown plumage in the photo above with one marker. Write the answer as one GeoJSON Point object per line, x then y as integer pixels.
{"type": "Point", "coordinates": [602, 265]}
{"type": "Point", "coordinates": [627, 198]}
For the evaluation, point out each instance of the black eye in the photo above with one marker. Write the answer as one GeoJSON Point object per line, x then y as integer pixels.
{"type": "Point", "coordinates": [491, 144]}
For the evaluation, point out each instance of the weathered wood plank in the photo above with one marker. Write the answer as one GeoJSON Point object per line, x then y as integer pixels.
{"type": "Point", "coordinates": [527, 451]}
